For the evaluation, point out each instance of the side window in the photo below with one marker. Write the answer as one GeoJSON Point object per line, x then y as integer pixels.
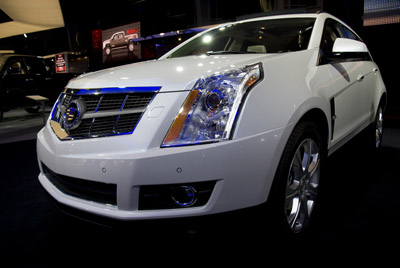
{"type": "Point", "coordinates": [15, 66]}
{"type": "Point", "coordinates": [329, 36]}
{"type": "Point", "coordinates": [347, 33]}
{"type": "Point", "coordinates": [333, 30]}
{"type": "Point", "coordinates": [35, 66]}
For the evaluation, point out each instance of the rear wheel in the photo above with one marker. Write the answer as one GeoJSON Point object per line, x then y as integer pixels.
{"type": "Point", "coordinates": [131, 46]}
{"type": "Point", "coordinates": [372, 137]}
{"type": "Point", "coordinates": [379, 127]}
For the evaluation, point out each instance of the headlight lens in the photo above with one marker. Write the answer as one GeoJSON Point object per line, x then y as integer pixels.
{"type": "Point", "coordinates": [209, 111]}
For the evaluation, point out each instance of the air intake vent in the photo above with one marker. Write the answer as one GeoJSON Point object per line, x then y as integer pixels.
{"type": "Point", "coordinates": [84, 189]}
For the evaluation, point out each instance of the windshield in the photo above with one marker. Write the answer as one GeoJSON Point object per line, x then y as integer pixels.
{"type": "Point", "coordinates": [263, 36]}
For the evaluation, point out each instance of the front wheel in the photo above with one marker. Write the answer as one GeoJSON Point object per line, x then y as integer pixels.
{"type": "Point", "coordinates": [108, 50]}
{"type": "Point", "coordinates": [297, 181]}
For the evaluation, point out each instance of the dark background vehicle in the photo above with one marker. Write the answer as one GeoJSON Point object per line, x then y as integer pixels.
{"type": "Point", "coordinates": [21, 76]}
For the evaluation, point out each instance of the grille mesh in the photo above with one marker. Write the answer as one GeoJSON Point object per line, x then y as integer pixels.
{"type": "Point", "coordinates": [97, 120]}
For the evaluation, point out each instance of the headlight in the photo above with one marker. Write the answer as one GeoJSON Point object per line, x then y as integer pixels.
{"type": "Point", "coordinates": [209, 111]}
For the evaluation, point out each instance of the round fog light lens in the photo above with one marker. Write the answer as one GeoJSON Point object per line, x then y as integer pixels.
{"type": "Point", "coordinates": [184, 196]}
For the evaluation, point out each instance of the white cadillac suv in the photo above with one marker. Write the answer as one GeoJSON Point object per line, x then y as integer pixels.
{"type": "Point", "coordinates": [239, 114]}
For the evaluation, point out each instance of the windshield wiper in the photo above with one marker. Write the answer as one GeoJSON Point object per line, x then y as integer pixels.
{"type": "Point", "coordinates": [208, 53]}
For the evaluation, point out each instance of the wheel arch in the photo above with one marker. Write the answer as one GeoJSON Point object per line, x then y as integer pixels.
{"type": "Point", "coordinates": [314, 115]}
{"type": "Point", "coordinates": [319, 118]}
{"type": "Point", "coordinates": [383, 100]}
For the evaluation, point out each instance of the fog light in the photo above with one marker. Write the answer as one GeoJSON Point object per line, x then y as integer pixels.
{"type": "Point", "coordinates": [184, 196]}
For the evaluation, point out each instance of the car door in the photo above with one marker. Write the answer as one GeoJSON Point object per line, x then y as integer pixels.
{"type": "Point", "coordinates": [121, 40]}
{"type": "Point", "coordinates": [114, 40]}
{"type": "Point", "coordinates": [351, 98]}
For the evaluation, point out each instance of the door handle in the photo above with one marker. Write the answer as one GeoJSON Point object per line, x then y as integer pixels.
{"type": "Point", "coordinates": [360, 78]}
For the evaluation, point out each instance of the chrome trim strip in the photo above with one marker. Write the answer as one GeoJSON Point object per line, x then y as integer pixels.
{"type": "Point", "coordinates": [112, 112]}
{"type": "Point", "coordinates": [112, 90]}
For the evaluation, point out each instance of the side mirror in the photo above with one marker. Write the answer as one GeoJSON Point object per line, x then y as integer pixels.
{"type": "Point", "coordinates": [344, 45]}
{"type": "Point", "coordinates": [345, 50]}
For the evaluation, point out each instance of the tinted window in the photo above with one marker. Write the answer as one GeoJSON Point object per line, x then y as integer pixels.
{"type": "Point", "coordinates": [15, 66]}
{"type": "Point", "coordinates": [347, 33]}
{"type": "Point", "coordinates": [35, 65]}
{"type": "Point", "coordinates": [264, 36]}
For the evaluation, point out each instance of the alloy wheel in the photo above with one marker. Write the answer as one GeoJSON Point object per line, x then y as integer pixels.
{"type": "Point", "coordinates": [302, 185]}
{"type": "Point", "coordinates": [379, 128]}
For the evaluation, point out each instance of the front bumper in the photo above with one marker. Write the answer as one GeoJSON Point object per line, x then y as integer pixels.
{"type": "Point", "coordinates": [240, 172]}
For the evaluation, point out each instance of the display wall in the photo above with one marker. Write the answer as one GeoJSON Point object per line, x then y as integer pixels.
{"type": "Point", "coordinates": [378, 12]}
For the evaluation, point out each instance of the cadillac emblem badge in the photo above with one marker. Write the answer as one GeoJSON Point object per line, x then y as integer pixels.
{"type": "Point", "coordinates": [73, 113]}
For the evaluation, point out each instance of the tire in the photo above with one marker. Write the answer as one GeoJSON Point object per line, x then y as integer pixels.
{"type": "Point", "coordinates": [372, 136]}
{"type": "Point", "coordinates": [131, 46]}
{"type": "Point", "coordinates": [108, 50]}
{"type": "Point", "coordinates": [378, 127]}
{"type": "Point", "coordinates": [1, 113]}
{"type": "Point", "coordinates": [294, 194]}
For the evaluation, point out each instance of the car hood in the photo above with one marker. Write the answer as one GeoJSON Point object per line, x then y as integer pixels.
{"type": "Point", "coordinates": [174, 74]}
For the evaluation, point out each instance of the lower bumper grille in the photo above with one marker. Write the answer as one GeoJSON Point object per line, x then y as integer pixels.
{"type": "Point", "coordinates": [84, 189]}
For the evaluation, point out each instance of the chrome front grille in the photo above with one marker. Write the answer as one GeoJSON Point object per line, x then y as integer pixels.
{"type": "Point", "coordinates": [96, 113]}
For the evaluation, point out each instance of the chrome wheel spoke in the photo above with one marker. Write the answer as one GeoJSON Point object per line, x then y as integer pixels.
{"type": "Point", "coordinates": [292, 191]}
{"type": "Point", "coordinates": [300, 217]}
{"type": "Point", "coordinates": [310, 206]}
{"type": "Point", "coordinates": [293, 211]}
{"type": "Point", "coordinates": [311, 191]}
